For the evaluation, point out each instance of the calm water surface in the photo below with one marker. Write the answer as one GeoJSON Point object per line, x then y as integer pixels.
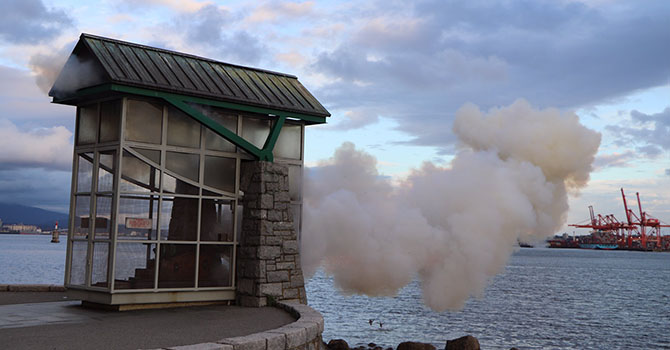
{"type": "Point", "coordinates": [545, 299]}
{"type": "Point", "coordinates": [32, 259]}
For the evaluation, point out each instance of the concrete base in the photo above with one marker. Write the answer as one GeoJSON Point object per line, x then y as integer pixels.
{"type": "Point", "coordinates": [130, 307]}
{"type": "Point", "coordinates": [144, 298]}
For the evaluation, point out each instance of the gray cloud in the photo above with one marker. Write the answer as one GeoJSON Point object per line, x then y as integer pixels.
{"type": "Point", "coordinates": [36, 187]}
{"type": "Point", "coordinates": [27, 106]}
{"type": "Point", "coordinates": [30, 22]}
{"type": "Point", "coordinates": [667, 172]}
{"type": "Point", "coordinates": [210, 29]}
{"type": "Point", "coordinates": [614, 160]}
{"type": "Point", "coordinates": [354, 119]}
{"type": "Point", "coordinates": [274, 11]}
{"type": "Point", "coordinates": [651, 134]}
{"type": "Point", "coordinates": [206, 24]}
{"type": "Point", "coordinates": [419, 62]}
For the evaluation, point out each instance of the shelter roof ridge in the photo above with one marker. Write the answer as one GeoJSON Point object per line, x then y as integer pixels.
{"type": "Point", "coordinates": [135, 65]}
{"type": "Point", "coordinates": [173, 52]}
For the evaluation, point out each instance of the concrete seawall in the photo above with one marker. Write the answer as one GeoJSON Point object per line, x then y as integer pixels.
{"type": "Point", "coordinates": [303, 334]}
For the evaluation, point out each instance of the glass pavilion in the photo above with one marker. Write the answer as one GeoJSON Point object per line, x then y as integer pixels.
{"type": "Point", "coordinates": [156, 204]}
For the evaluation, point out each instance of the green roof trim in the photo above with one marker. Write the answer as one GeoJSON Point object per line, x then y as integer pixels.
{"type": "Point", "coordinates": [181, 102]}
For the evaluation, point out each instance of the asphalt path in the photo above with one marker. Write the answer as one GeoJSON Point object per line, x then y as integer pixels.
{"type": "Point", "coordinates": [34, 320]}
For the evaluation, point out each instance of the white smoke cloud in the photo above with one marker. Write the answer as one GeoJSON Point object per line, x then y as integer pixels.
{"type": "Point", "coordinates": [454, 227]}
{"type": "Point", "coordinates": [47, 65]}
{"type": "Point", "coordinates": [68, 72]}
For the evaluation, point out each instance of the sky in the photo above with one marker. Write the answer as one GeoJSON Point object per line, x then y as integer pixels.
{"type": "Point", "coordinates": [392, 74]}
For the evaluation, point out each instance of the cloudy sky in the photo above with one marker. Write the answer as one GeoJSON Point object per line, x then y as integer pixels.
{"type": "Point", "coordinates": [392, 73]}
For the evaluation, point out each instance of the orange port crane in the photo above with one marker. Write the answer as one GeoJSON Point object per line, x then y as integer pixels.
{"type": "Point", "coordinates": [644, 221]}
{"type": "Point", "coordinates": [606, 223]}
{"type": "Point", "coordinates": [640, 227]}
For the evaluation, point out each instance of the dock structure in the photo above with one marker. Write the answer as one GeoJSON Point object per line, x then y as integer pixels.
{"type": "Point", "coordinates": [638, 232]}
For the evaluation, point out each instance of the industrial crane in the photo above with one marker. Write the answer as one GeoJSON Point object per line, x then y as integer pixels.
{"type": "Point", "coordinates": [644, 220]}
{"type": "Point", "coordinates": [642, 226]}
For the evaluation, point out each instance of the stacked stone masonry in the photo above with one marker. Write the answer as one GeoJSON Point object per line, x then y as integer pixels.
{"type": "Point", "coordinates": [268, 261]}
{"type": "Point", "coordinates": [304, 334]}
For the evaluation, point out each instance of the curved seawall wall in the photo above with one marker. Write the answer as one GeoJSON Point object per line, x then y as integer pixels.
{"type": "Point", "coordinates": [303, 334]}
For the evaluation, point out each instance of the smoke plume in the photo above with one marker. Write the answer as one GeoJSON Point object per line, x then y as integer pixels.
{"type": "Point", "coordinates": [47, 66]}
{"type": "Point", "coordinates": [62, 73]}
{"type": "Point", "coordinates": [454, 228]}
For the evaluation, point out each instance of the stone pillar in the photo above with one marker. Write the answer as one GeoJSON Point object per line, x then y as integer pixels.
{"type": "Point", "coordinates": [268, 260]}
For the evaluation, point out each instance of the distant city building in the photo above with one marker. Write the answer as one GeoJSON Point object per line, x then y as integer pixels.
{"type": "Point", "coordinates": [21, 228]}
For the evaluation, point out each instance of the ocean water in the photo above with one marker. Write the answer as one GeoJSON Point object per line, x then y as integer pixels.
{"type": "Point", "coordinates": [26, 259]}
{"type": "Point", "coordinates": [545, 299]}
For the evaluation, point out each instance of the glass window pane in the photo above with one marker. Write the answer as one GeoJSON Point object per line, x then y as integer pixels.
{"type": "Point", "coordinates": [288, 144]}
{"type": "Point", "coordinates": [182, 130]}
{"type": "Point", "coordinates": [144, 121]}
{"type": "Point", "coordinates": [220, 173]}
{"type": "Point", "coordinates": [183, 164]}
{"type": "Point", "coordinates": [151, 154]}
{"type": "Point", "coordinates": [177, 266]}
{"type": "Point", "coordinates": [215, 264]}
{"type": "Point", "coordinates": [138, 216]}
{"type": "Point", "coordinates": [255, 130]}
{"type": "Point", "coordinates": [85, 172]}
{"type": "Point", "coordinates": [137, 176]}
{"type": "Point", "coordinates": [88, 124]}
{"type": "Point", "coordinates": [110, 119]}
{"type": "Point", "coordinates": [82, 212]}
{"type": "Point", "coordinates": [99, 267]}
{"type": "Point", "coordinates": [295, 182]}
{"type": "Point", "coordinates": [106, 171]}
{"type": "Point", "coordinates": [134, 266]}
{"type": "Point", "coordinates": [210, 193]}
{"type": "Point", "coordinates": [216, 220]}
{"type": "Point", "coordinates": [78, 263]}
{"type": "Point", "coordinates": [103, 220]}
{"type": "Point", "coordinates": [179, 219]}
{"type": "Point", "coordinates": [214, 141]}
{"type": "Point", "coordinates": [173, 185]}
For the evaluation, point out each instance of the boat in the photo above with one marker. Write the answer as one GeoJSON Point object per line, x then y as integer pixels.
{"type": "Point", "coordinates": [524, 244]}
{"type": "Point", "coordinates": [603, 246]}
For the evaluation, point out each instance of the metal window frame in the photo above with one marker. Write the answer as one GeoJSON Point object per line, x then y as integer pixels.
{"type": "Point", "coordinates": [181, 102]}
{"type": "Point", "coordinates": [244, 150]}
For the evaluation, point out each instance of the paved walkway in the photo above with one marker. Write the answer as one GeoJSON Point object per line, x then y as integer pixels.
{"type": "Point", "coordinates": [39, 323]}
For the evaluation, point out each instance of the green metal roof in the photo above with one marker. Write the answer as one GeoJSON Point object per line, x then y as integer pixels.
{"type": "Point", "coordinates": [98, 61]}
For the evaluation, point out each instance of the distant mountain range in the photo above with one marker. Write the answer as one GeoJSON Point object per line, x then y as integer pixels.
{"type": "Point", "coordinates": [16, 213]}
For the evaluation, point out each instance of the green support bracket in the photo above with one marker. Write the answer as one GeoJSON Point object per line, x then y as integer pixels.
{"type": "Point", "coordinates": [270, 142]}
{"type": "Point", "coordinates": [180, 102]}
{"type": "Point", "coordinates": [261, 154]}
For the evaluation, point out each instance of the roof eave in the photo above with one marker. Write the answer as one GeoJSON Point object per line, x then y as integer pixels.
{"type": "Point", "coordinates": [105, 89]}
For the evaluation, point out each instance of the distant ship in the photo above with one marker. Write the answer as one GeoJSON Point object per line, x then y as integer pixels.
{"type": "Point", "coordinates": [603, 246]}
{"type": "Point", "coordinates": [524, 244]}
{"type": "Point", "coordinates": [563, 241]}
{"type": "Point", "coordinates": [598, 239]}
